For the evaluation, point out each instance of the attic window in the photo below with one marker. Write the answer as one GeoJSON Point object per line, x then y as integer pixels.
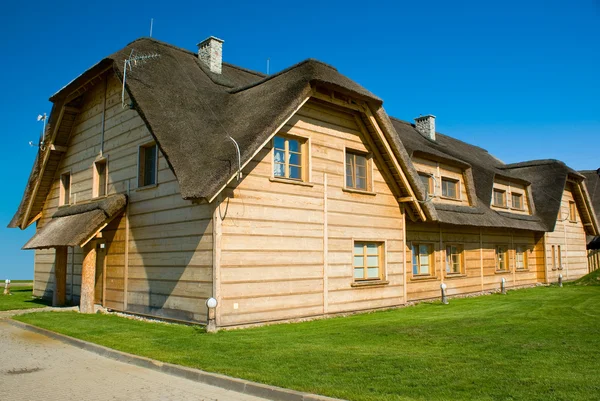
{"type": "Point", "coordinates": [147, 165]}
{"type": "Point", "coordinates": [100, 181]}
{"type": "Point", "coordinates": [357, 170]}
{"type": "Point", "coordinates": [289, 158]}
{"type": "Point", "coordinates": [499, 198]}
{"type": "Point", "coordinates": [449, 188]}
{"type": "Point", "coordinates": [427, 180]}
{"type": "Point", "coordinates": [65, 189]}
{"type": "Point", "coordinates": [572, 212]}
{"type": "Point", "coordinates": [516, 201]}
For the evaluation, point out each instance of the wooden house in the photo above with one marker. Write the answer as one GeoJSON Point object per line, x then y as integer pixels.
{"type": "Point", "coordinates": [286, 196]}
{"type": "Point", "coordinates": [592, 179]}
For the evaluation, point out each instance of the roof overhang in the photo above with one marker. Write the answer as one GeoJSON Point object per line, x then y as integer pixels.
{"type": "Point", "coordinates": [77, 225]}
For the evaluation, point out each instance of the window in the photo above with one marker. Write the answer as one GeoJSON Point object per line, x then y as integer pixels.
{"type": "Point", "coordinates": [517, 201]}
{"type": "Point", "coordinates": [454, 259]}
{"type": "Point", "coordinates": [449, 188]}
{"type": "Point", "coordinates": [147, 165]}
{"type": "Point", "coordinates": [572, 211]}
{"type": "Point", "coordinates": [501, 258]}
{"type": "Point", "coordinates": [559, 258]}
{"type": "Point", "coordinates": [521, 257]}
{"type": "Point", "coordinates": [499, 198]}
{"type": "Point", "coordinates": [356, 171]}
{"type": "Point", "coordinates": [368, 261]}
{"type": "Point", "coordinates": [100, 181]}
{"type": "Point", "coordinates": [553, 257]}
{"type": "Point", "coordinates": [427, 180]}
{"type": "Point", "coordinates": [423, 257]}
{"type": "Point", "coordinates": [65, 189]}
{"type": "Point", "coordinates": [288, 158]}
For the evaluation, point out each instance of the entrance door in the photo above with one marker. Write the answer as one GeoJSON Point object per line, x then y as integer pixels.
{"type": "Point", "coordinates": [100, 267]}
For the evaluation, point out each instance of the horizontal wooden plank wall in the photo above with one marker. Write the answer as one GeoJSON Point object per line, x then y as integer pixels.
{"type": "Point", "coordinates": [479, 259]}
{"type": "Point", "coordinates": [571, 237]}
{"type": "Point", "coordinates": [170, 239]}
{"type": "Point", "coordinates": [272, 255]}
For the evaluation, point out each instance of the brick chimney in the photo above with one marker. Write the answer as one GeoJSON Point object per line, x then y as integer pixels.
{"type": "Point", "coordinates": [210, 52]}
{"type": "Point", "coordinates": [426, 126]}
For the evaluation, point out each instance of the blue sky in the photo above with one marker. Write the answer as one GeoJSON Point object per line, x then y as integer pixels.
{"type": "Point", "coordinates": [518, 78]}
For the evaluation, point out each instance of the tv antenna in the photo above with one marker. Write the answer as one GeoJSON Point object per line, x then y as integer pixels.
{"type": "Point", "coordinates": [134, 61]}
{"type": "Point", "coordinates": [151, 24]}
{"type": "Point", "coordinates": [40, 144]}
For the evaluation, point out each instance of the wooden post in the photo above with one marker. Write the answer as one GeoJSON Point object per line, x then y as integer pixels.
{"type": "Point", "coordinates": [88, 278]}
{"type": "Point", "coordinates": [59, 297]}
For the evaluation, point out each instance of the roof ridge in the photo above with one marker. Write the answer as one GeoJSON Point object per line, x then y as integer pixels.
{"type": "Point", "coordinates": [533, 163]}
{"type": "Point", "coordinates": [282, 72]}
{"type": "Point", "coordinates": [237, 67]}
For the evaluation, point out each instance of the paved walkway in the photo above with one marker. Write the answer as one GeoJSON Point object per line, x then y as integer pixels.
{"type": "Point", "coordinates": [36, 367]}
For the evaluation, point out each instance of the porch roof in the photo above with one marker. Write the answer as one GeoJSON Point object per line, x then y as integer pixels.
{"type": "Point", "coordinates": [75, 225]}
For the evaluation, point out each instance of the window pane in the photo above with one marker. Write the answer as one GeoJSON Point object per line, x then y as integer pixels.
{"type": "Point", "coordinates": [294, 158]}
{"type": "Point", "coordinates": [295, 172]}
{"type": "Point", "coordinates": [349, 182]}
{"type": "Point", "coordinates": [516, 201]}
{"type": "Point", "coordinates": [414, 260]}
{"type": "Point", "coordinates": [449, 188]}
{"type": "Point", "coordinates": [101, 171]}
{"type": "Point", "coordinates": [279, 170]}
{"type": "Point", "coordinates": [294, 145]}
{"type": "Point", "coordinates": [361, 171]}
{"type": "Point", "coordinates": [279, 156]}
{"type": "Point", "coordinates": [359, 273]}
{"type": "Point", "coordinates": [150, 165]}
{"type": "Point", "coordinates": [372, 261]}
{"type": "Point", "coordinates": [372, 249]}
{"type": "Point", "coordinates": [279, 143]}
{"type": "Point", "coordinates": [361, 183]}
{"type": "Point", "coordinates": [361, 161]}
{"type": "Point", "coordinates": [373, 272]}
{"type": "Point", "coordinates": [499, 198]}
{"type": "Point", "coordinates": [359, 261]}
{"type": "Point", "coordinates": [358, 248]}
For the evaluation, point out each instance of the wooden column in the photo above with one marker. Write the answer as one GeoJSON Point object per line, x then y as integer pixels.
{"type": "Point", "coordinates": [59, 297]}
{"type": "Point", "coordinates": [88, 278]}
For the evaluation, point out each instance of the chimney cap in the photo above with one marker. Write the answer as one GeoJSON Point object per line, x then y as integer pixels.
{"type": "Point", "coordinates": [210, 38]}
{"type": "Point", "coordinates": [425, 116]}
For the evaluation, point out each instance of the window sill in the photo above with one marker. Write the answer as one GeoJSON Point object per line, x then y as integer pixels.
{"type": "Point", "coordinates": [359, 191]}
{"type": "Point", "coordinates": [450, 198]}
{"type": "Point", "coordinates": [522, 270]}
{"type": "Point", "coordinates": [455, 275]}
{"type": "Point", "coordinates": [502, 272]}
{"type": "Point", "coordinates": [500, 207]}
{"type": "Point", "coordinates": [293, 182]}
{"type": "Point", "coordinates": [560, 268]}
{"type": "Point", "coordinates": [146, 187]}
{"type": "Point", "coordinates": [516, 209]}
{"type": "Point", "coordinates": [64, 206]}
{"type": "Point", "coordinates": [372, 283]}
{"type": "Point", "coordinates": [423, 278]}
{"type": "Point", "coordinates": [572, 221]}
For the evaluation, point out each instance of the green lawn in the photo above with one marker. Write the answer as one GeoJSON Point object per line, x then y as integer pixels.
{"type": "Point", "coordinates": [21, 298]}
{"type": "Point", "coordinates": [535, 344]}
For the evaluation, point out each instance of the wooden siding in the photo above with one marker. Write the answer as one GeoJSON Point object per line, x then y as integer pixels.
{"type": "Point", "coordinates": [479, 259]}
{"type": "Point", "coordinates": [571, 237]}
{"type": "Point", "coordinates": [273, 264]}
{"type": "Point", "coordinates": [169, 269]}
{"type": "Point", "coordinates": [439, 170]}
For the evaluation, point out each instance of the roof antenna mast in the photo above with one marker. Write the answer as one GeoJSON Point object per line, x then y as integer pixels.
{"type": "Point", "coordinates": [151, 23]}
{"type": "Point", "coordinates": [134, 61]}
{"type": "Point", "coordinates": [268, 62]}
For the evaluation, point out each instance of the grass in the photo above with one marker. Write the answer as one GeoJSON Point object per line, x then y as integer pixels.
{"type": "Point", "coordinates": [592, 279]}
{"type": "Point", "coordinates": [534, 344]}
{"type": "Point", "coordinates": [21, 298]}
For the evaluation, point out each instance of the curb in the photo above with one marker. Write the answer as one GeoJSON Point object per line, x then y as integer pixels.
{"type": "Point", "coordinates": [213, 379]}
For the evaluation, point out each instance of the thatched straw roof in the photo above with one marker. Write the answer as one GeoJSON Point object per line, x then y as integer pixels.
{"type": "Point", "coordinates": [72, 225]}
{"type": "Point", "coordinates": [191, 112]}
{"type": "Point", "coordinates": [592, 181]}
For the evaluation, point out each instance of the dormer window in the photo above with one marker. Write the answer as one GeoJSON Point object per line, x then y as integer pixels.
{"type": "Point", "coordinates": [427, 180]}
{"type": "Point", "coordinates": [499, 198]}
{"type": "Point", "coordinates": [517, 201]}
{"type": "Point", "coordinates": [449, 188]}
